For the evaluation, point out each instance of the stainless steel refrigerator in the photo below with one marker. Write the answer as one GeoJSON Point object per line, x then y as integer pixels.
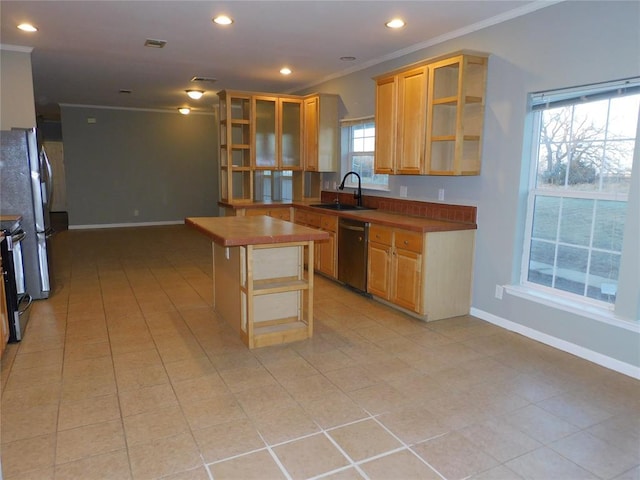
{"type": "Point", "coordinates": [25, 189]}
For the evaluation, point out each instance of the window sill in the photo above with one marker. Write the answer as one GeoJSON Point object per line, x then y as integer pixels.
{"type": "Point", "coordinates": [578, 308]}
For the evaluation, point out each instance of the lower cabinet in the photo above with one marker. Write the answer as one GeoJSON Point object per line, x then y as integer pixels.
{"type": "Point", "coordinates": [395, 266]}
{"type": "Point", "coordinates": [325, 256]}
{"type": "Point", "coordinates": [283, 213]}
{"type": "Point", "coordinates": [426, 274]}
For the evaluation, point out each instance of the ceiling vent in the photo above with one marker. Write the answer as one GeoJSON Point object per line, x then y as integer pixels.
{"type": "Point", "coordinates": [150, 42]}
{"type": "Point", "coordinates": [204, 79]}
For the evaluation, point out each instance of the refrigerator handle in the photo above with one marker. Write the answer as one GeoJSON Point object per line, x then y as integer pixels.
{"type": "Point", "coordinates": [49, 180]}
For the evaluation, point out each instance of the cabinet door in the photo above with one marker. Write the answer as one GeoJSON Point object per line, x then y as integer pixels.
{"type": "Point", "coordinates": [407, 273]}
{"type": "Point", "coordinates": [378, 270]}
{"type": "Point", "coordinates": [412, 112]}
{"type": "Point", "coordinates": [385, 125]}
{"type": "Point", "coordinates": [311, 134]}
{"type": "Point", "coordinates": [265, 132]}
{"type": "Point", "coordinates": [327, 263]}
{"type": "Point", "coordinates": [290, 134]}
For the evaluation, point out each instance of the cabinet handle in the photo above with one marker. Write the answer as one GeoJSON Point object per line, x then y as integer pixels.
{"type": "Point", "coordinates": [406, 242]}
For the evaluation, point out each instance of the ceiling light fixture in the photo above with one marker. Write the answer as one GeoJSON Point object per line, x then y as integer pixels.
{"type": "Point", "coordinates": [195, 94]}
{"type": "Point", "coordinates": [223, 20]}
{"type": "Point", "coordinates": [184, 110]}
{"type": "Point", "coordinates": [395, 23]}
{"type": "Point", "coordinates": [347, 59]}
{"type": "Point", "coordinates": [285, 71]}
{"type": "Point", "coordinates": [27, 27]}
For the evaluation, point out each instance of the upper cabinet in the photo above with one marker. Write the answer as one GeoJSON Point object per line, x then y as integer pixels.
{"type": "Point", "coordinates": [235, 146]}
{"type": "Point", "coordinates": [277, 132]}
{"type": "Point", "coordinates": [429, 117]}
{"type": "Point", "coordinates": [320, 126]}
{"type": "Point", "coordinates": [269, 141]}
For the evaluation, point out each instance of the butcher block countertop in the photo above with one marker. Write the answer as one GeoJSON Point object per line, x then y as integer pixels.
{"type": "Point", "coordinates": [256, 230]}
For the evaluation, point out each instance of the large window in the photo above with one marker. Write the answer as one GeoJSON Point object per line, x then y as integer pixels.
{"type": "Point", "coordinates": [582, 158]}
{"type": "Point", "coordinates": [358, 146]}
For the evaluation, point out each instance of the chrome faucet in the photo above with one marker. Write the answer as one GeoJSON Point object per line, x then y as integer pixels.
{"type": "Point", "coordinates": [357, 194]}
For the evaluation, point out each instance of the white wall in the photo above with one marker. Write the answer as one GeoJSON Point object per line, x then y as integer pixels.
{"type": "Point", "coordinates": [17, 104]}
{"type": "Point", "coordinates": [566, 44]}
{"type": "Point", "coordinates": [138, 166]}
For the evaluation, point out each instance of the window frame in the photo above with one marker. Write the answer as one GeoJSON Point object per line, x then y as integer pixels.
{"type": "Point", "coordinates": [347, 125]}
{"type": "Point", "coordinates": [539, 102]}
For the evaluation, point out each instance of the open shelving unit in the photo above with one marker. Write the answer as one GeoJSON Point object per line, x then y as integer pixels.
{"type": "Point", "coordinates": [455, 115]}
{"type": "Point", "coordinates": [275, 291]}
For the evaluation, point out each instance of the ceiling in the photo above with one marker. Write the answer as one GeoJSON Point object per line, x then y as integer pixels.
{"type": "Point", "coordinates": [86, 52]}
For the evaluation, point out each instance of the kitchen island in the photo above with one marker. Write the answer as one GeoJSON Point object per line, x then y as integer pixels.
{"type": "Point", "coordinates": [260, 284]}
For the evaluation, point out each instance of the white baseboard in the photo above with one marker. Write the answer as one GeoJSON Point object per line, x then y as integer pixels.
{"type": "Point", "coordinates": [121, 225]}
{"type": "Point", "coordinates": [595, 357]}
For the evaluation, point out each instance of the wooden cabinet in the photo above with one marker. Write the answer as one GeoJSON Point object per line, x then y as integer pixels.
{"type": "Point", "coordinates": [395, 266]}
{"type": "Point", "coordinates": [402, 133]}
{"type": "Point", "coordinates": [455, 115]}
{"type": "Point", "coordinates": [321, 132]}
{"type": "Point", "coordinates": [326, 251]}
{"type": "Point", "coordinates": [283, 213]}
{"type": "Point", "coordinates": [429, 117]}
{"type": "Point", "coordinates": [235, 147]}
{"type": "Point", "coordinates": [426, 274]}
{"type": "Point", "coordinates": [268, 140]}
{"type": "Point", "coordinates": [277, 132]}
{"type": "Point", "coordinates": [385, 119]}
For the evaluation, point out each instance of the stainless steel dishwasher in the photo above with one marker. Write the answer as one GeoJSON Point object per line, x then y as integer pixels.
{"type": "Point", "coordinates": [353, 241]}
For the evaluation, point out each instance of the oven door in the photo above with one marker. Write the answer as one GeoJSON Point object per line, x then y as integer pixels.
{"type": "Point", "coordinates": [18, 265]}
{"type": "Point", "coordinates": [10, 291]}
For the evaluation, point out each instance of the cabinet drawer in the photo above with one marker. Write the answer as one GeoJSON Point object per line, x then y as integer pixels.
{"type": "Point", "coordinates": [329, 223]}
{"type": "Point", "coordinates": [300, 216]}
{"type": "Point", "coordinates": [254, 212]}
{"type": "Point", "coordinates": [281, 213]}
{"type": "Point", "coordinates": [407, 240]}
{"type": "Point", "coordinates": [380, 234]}
{"type": "Point", "coordinates": [314, 220]}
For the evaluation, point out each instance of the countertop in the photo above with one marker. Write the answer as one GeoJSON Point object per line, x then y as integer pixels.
{"type": "Point", "coordinates": [381, 217]}
{"type": "Point", "coordinates": [255, 230]}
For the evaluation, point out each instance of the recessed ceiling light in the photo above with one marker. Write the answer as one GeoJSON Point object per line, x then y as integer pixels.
{"type": "Point", "coordinates": [395, 23]}
{"type": "Point", "coordinates": [184, 110]}
{"type": "Point", "coordinates": [195, 94]}
{"type": "Point", "coordinates": [347, 59]}
{"type": "Point", "coordinates": [223, 20]}
{"type": "Point", "coordinates": [285, 71]}
{"type": "Point", "coordinates": [125, 91]}
{"type": "Point", "coordinates": [27, 27]}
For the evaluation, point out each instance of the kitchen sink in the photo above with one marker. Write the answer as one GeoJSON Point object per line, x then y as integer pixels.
{"type": "Point", "coordinates": [339, 206]}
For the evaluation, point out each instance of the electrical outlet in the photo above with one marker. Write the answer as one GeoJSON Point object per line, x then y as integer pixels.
{"type": "Point", "coordinates": [441, 194]}
{"type": "Point", "coordinates": [499, 291]}
{"type": "Point", "coordinates": [403, 191]}
{"type": "Point", "coordinates": [136, 212]}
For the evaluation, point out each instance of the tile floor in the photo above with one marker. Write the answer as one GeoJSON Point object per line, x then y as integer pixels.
{"type": "Point", "coordinates": [126, 372]}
